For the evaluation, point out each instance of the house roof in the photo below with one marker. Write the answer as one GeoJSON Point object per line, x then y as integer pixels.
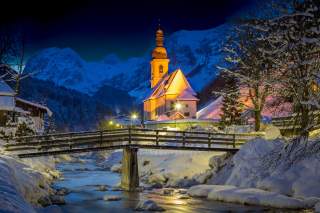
{"type": "Point", "coordinates": [272, 109]}
{"type": "Point", "coordinates": [39, 106]}
{"type": "Point", "coordinates": [5, 89]}
{"type": "Point", "coordinates": [173, 83]}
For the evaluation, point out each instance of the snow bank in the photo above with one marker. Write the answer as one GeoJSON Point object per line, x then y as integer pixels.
{"type": "Point", "coordinates": [242, 195]}
{"type": "Point", "coordinates": [174, 168]}
{"type": "Point", "coordinates": [253, 196]}
{"type": "Point", "coordinates": [204, 190]}
{"type": "Point", "coordinates": [168, 168]}
{"type": "Point", "coordinates": [21, 184]}
{"type": "Point", "coordinates": [24, 182]}
{"type": "Point", "coordinates": [291, 169]}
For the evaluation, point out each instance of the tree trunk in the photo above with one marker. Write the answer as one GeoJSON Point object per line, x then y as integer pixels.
{"type": "Point", "coordinates": [257, 119]}
{"type": "Point", "coordinates": [305, 121]}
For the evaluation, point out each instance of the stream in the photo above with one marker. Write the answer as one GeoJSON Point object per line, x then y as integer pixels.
{"type": "Point", "coordinates": [83, 180]}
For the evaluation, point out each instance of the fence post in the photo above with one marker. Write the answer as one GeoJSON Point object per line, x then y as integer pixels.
{"type": "Point", "coordinates": [101, 135]}
{"type": "Point", "coordinates": [157, 137]}
{"type": "Point", "coordinates": [129, 130]}
{"type": "Point", "coordinates": [183, 138]}
{"type": "Point", "coordinates": [70, 141]}
{"type": "Point", "coordinates": [234, 140]}
{"type": "Point", "coordinates": [209, 140]}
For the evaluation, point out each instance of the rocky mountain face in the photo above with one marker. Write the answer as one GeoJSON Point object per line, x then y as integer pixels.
{"type": "Point", "coordinates": [196, 52]}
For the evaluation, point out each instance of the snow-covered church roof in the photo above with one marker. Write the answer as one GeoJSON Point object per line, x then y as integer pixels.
{"type": "Point", "coordinates": [174, 83]}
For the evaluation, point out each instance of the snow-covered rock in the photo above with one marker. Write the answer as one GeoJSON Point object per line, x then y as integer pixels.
{"type": "Point", "coordinates": [253, 196]}
{"type": "Point", "coordinates": [269, 165]}
{"type": "Point", "coordinates": [204, 190]}
{"type": "Point", "coordinates": [116, 168]}
{"type": "Point", "coordinates": [111, 198]}
{"type": "Point", "coordinates": [173, 168]}
{"type": "Point", "coordinates": [148, 205]}
{"type": "Point", "coordinates": [23, 183]}
{"type": "Point", "coordinates": [317, 207]}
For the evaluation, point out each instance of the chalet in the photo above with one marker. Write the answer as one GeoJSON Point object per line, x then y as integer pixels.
{"type": "Point", "coordinates": [171, 97]}
{"type": "Point", "coordinates": [272, 109]}
{"type": "Point", "coordinates": [12, 108]}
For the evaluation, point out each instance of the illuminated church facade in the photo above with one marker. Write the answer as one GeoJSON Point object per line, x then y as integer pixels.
{"type": "Point", "coordinates": [171, 95]}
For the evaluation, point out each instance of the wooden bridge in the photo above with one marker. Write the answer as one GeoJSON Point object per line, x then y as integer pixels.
{"type": "Point", "coordinates": [130, 140]}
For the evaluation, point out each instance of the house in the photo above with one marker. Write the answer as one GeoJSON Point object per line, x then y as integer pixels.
{"type": "Point", "coordinates": [213, 110]}
{"type": "Point", "coordinates": [13, 108]}
{"type": "Point", "coordinates": [171, 95]}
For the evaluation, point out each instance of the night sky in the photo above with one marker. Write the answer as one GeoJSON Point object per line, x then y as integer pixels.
{"type": "Point", "coordinates": [95, 28]}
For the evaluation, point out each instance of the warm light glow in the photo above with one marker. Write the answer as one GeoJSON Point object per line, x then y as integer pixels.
{"type": "Point", "coordinates": [117, 125]}
{"type": "Point", "coordinates": [178, 106]}
{"type": "Point", "coordinates": [134, 116]}
{"type": "Point", "coordinates": [110, 123]}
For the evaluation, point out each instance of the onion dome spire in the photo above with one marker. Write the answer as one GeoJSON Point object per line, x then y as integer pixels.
{"type": "Point", "coordinates": [159, 51]}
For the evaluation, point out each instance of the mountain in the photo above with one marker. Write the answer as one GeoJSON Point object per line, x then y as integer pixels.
{"type": "Point", "coordinates": [196, 52]}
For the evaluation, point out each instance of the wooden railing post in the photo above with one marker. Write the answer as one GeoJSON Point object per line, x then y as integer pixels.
{"type": "Point", "coordinates": [234, 140]}
{"type": "Point", "coordinates": [101, 135]}
{"type": "Point", "coordinates": [70, 141]}
{"type": "Point", "coordinates": [157, 137]}
{"type": "Point", "coordinates": [129, 137]}
{"type": "Point", "coordinates": [183, 138]}
{"type": "Point", "coordinates": [209, 140]}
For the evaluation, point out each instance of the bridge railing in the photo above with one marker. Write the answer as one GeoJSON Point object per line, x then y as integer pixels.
{"type": "Point", "coordinates": [144, 138]}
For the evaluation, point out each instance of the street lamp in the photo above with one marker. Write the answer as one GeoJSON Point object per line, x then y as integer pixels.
{"type": "Point", "coordinates": [133, 117]}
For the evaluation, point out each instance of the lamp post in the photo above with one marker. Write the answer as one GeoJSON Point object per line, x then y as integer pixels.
{"type": "Point", "coordinates": [133, 117]}
{"type": "Point", "coordinates": [110, 124]}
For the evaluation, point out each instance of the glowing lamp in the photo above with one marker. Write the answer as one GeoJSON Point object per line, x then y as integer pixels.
{"type": "Point", "coordinates": [178, 106]}
{"type": "Point", "coordinates": [110, 123]}
{"type": "Point", "coordinates": [134, 116]}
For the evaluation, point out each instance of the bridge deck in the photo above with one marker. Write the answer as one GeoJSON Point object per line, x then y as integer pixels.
{"type": "Point", "coordinates": [67, 143]}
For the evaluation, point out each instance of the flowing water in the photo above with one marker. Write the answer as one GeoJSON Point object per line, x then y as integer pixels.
{"type": "Point", "coordinates": [83, 180]}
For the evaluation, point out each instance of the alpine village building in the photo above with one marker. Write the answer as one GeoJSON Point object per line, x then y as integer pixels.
{"type": "Point", "coordinates": [171, 97]}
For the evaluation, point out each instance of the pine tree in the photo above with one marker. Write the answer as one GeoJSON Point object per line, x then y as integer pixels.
{"type": "Point", "coordinates": [231, 105]}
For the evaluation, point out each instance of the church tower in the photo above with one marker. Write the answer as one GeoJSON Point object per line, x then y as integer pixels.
{"type": "Point", "coordinates": [160, 61]}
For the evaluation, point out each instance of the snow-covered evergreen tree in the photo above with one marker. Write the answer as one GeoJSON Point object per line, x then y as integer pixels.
{"type": "Point", "coordinates": [251, 58]}
{"type": "Point", "coordinates": [231, 105]}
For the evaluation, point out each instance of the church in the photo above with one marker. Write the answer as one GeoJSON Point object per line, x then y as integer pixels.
{"type": "Point", "coordinates": [171, 95]}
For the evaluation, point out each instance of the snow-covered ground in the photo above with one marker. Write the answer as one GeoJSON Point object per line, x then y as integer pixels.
{"type": "Point", "coordinates": [24, 182]}
{"type": "Point", "coordinates": [169, 168]}
{"type": "Point", "coordinates": [271, 173]}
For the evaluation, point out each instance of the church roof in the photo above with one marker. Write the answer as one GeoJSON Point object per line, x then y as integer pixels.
{"type": "Point", "coordinates": [173, 83]}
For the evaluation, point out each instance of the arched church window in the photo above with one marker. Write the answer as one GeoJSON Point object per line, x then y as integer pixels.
{"type": "Point", "coordinates": [160, 69]}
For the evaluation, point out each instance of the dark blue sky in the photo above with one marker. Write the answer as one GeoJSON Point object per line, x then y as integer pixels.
{"type": "Point", "coordinates": [95, 28]}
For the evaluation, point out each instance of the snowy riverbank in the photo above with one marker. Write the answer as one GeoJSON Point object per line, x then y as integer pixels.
{"type": "Point", "coordinates": [25, 184]}
{"type": "Point", "coordinates": [271, 173]}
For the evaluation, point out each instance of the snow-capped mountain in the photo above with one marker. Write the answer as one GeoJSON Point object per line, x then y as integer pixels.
{"type": "Point", "coordinates": [196, 52]}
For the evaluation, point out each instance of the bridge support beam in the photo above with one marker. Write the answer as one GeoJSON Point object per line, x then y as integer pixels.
{"type": "Point", "coordinates": [130, 176]}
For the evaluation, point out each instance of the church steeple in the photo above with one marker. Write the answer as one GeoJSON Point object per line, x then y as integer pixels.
{"type": "Point", "coordinates": [160, 61]}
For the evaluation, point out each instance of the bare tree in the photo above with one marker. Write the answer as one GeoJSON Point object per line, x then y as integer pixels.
{"type": "Point", "coordinates": [299, 33]}
{"type": "Point", "coordinates": [251, 57]}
